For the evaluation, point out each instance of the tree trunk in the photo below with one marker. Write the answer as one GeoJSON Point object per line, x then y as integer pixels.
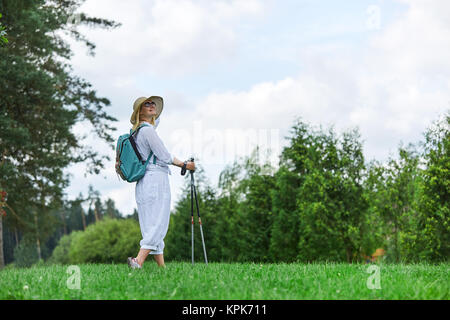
{"type": "Point", "coordinates": [38, 245]}
{"type": "Point", "coordinates": [349, 255]}
{"type": "Point", "coordinates": [97, 219]}
{"type": "Point", "coordinates": [83, 218]}
{"type": "Point", "coordinates": [2, 259]}
{"type": "Point", "coordinates": [38, 242]}
{"type": "Point", "coordinates": [396, 242]}
{"type": "Point", "coordinates": [16, 237]}
{"type": "Point", "coordinates": [64, 222]}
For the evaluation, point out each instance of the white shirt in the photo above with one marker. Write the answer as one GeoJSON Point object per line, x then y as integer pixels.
{"type": "Point", "coordinates": [148, 140]}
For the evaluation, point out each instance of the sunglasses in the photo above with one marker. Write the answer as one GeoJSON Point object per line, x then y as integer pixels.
{"type": "Point", "coordinates": [148, 104]}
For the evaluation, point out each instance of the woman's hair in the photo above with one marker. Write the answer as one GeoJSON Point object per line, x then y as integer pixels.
{"type": "Point", "coordinates": [137, 120]}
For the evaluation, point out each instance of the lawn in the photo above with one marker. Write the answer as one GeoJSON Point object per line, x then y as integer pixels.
{"type": "Point", "coordinates": [181, 280]}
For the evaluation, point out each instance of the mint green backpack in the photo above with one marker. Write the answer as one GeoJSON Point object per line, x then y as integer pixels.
{"type": "Point", "coordinates": [129, 164]}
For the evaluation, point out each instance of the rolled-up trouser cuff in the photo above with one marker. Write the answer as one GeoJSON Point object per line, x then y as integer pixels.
{"type": "Point", "coordinates": [153, 249]}
{"type": "Point", "coordinates": [148, 247]}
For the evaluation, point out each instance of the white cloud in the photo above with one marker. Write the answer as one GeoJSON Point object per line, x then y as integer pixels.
{"type": "Point", "coordinates": [167, 37]}
{"type": "Point", "coordinates": [157, 39]}
{"type": "Point", "coordinates": [391, 91]}
{"type": "Point", "coordinates": [406, 68]}
{"type": "Point", "coordinates": [392, 88]}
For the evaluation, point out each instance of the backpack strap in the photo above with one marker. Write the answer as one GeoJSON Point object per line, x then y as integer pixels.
{"type": "Point", "coordinates": [133, 143]}
{"type": "Point", "coordinates": [148, 159]}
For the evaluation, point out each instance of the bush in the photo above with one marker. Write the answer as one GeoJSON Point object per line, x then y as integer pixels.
{"type": "Point", "coordinates": [60, 254]}
{"type": "Point", "coordinates": [106, 241]}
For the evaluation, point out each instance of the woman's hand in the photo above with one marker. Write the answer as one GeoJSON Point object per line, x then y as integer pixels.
{"type": "Point", "coordinates": [190, 165]}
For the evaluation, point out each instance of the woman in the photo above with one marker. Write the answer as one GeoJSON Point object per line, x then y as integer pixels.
{"type": "Point", "coordinates": [152, 190]}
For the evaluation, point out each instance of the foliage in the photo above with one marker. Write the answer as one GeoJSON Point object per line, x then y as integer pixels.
{"type": "Point", "coordinates": [395, 200]}
{"type": "Point", "coordinates": [285, 229]}
{"type": "Point", "coordinates": [327, 206]}
{"type": "Point", "coordinates": [323, 203]}
{"type": "Point", "coordinates": [25, 254]}
{"type": "Point", "coordinates": [373, 224]}
{"type": "Point", "coordinates": [61, 252]}
{"type": "Point", "coordinates": [106, 241]}
{"type": "Point", "coordinates": [40, 102]}
{"type": "Point", "coordinates": [255, 210]}
{"type": "Point", "coordinates": [178, 239]}
{"type": "Point", "coordinates": [3, 39]}
{"type": "Point", "coordinates": [432, 240]}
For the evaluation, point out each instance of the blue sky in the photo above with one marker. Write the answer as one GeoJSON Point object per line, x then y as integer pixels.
{"type": "Point", "coordinates": [224, 66]}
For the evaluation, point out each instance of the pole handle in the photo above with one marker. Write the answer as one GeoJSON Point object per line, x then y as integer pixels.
{"type": "Point", "coordinates": [183, 168]}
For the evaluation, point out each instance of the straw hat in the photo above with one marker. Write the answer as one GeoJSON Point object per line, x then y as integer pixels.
{"type": "Point", "coordinates": [139, 101]}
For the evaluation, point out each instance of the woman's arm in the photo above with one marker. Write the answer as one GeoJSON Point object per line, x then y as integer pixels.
{"type": "Point", "coordinates": [190, 165]}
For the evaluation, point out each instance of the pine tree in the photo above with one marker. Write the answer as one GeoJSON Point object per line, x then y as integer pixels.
{"type": "Point", "coordinates": [288, 179]}
{"type": "Point", "coordinates": [40, 102]}
{"type": "Point", "coordinates": [255, 210]}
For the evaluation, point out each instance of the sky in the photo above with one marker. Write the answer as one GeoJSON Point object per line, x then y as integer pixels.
{"type": "Point", "coordinates": [237, 73]}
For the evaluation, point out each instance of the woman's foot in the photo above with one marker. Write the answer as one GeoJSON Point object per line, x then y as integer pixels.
{"type": "Point", "coordinates": [133, 264]}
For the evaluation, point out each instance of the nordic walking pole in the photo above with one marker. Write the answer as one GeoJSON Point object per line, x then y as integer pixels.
{"type": "Point", "coordinates": [198, 214]}
{"type": "Point", "coordinates": [192, 220]}
{"type": "Point", "coordinates": [194, 193]}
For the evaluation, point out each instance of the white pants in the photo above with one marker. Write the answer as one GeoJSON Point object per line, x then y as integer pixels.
{"type": "Point", "coordinates": [153, 204]}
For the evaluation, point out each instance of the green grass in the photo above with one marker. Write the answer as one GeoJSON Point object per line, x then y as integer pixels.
{"type": "Point", "coordinates": [228, 281]}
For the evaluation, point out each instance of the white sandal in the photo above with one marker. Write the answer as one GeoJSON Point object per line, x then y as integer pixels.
{"type": "Point", "coordinates": [133, 264]}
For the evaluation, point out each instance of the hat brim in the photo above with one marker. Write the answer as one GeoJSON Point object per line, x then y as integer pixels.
{"type": "Point", "coordinates": [159, 101]}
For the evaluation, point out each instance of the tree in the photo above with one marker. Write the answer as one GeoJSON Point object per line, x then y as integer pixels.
{"type": "Point", "coordinates": [94, 198]}
{"type": "Point", "coordinates": [325, 203]}
{"type": "Point", "coordinates": [320, 182]}
{"type": "Point", "coordinates": [3, 38]}
{"type": "Point", "coordinates": [2, 213]}
{"type": "Point", "coordinates": [288, 179]}
{"type": "Point", "coordinates": [40, 102]}
{"type": "Point", "coordinates": [178, 239]}
{"type": "Point", "coordinates": [111, 210]}
{"type": "Point", "coordinates": [227, 219]}
{"type": "Point", "coordinates": [255, 210]}
{"type": "Point", "coordinates": [373, 226]}
{"type": "Point", "coordinates": [330, 201]}
{"type": "Point", "coordinates": [433, 228]}
{"type": "Point", "coordinates": [285, 228]}
{"type": "Point", "coordinates": [396, 194]}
